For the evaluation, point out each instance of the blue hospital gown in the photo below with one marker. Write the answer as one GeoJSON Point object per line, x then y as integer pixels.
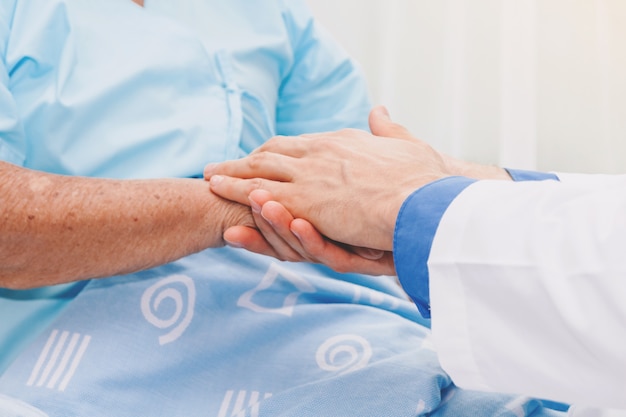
{"type": "Point", "coordinates": [109, 89]}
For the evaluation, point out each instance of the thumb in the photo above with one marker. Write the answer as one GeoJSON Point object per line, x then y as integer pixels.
{"type": "Point", "coordinates": [382, 125]}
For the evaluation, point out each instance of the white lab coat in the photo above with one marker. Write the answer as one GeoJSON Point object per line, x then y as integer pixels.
{"type": "Point", "coordinates": [528, 289]}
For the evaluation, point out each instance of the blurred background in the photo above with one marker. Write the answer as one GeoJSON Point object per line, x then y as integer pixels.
{"type": "Point", "coordinates": [535, 84]}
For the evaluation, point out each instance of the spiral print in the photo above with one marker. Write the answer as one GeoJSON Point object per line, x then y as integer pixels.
{"type": "Point", "coordinates": [184, 302]}
{"type": "Point", "coordinates": [344, 353]}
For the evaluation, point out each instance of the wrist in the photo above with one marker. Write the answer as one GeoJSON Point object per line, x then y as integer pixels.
{"type": "Point", "coordinates": [457, 167]}
{"type": "Point", "coordinates": [220, 215]}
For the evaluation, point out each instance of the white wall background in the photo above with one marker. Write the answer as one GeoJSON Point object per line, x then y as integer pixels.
{"type": "Point", "coordinates": [538, 84]}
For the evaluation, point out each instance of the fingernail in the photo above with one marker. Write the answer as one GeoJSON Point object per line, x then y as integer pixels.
{"type": "Point", "coordinates": [296, 234]}
{"type": "Point", "coordinates": [216, 179]}
{"type": "Point", "coordinates": [233, 244]}
{"type": "Point", "coordinates": [254, 206]}
{"type": "Point", "coordinates": [266, 219]}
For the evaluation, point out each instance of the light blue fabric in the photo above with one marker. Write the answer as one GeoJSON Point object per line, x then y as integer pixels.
{"type": "Point", "coordinates": [112, 90]}
{"type": "Point", "coordinates": [24, 314]}
{"type": "Point", "coordinates": [223, 332]}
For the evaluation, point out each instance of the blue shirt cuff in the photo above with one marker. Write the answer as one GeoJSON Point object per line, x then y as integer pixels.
{"type": "Point", "coordinates": [417, 224]}
{"type": "Point", "coordinates": [522, 175]}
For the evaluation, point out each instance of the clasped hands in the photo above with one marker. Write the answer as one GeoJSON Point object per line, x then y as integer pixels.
{"type": "Point", "coordinates": [333, 198]}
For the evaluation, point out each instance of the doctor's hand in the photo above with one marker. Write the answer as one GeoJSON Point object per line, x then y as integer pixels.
{"type": "Point", "coordinates": [347, 176]}
{"type": "Point", "coordinates": [278, 234]}
{"type": "Point", "coordinates": [349, 184]}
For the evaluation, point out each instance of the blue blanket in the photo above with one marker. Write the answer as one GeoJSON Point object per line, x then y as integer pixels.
{"type": "Point", "coordinates": [226, 333]}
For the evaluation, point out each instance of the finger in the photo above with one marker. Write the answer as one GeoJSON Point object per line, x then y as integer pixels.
{"type": "Point", "coordinates": [273, 166]}
{"type": "Point", "coordinates": [293, 146]}
{"type": "Point", "coordinates": [338, 134]}
{"type": "Point", "coordinates": [382, 125]}
{"type": "Point", "coordinates": [238, 190]}
{"type": "Point", "coordinates": [255, 241]}
{"type": "Point", "coordinates": [249, 239]}
{"type": "Point", "coordinates": [273, 220]}
{"type": "Point", "coordinates": [336, 257]}
{"type": "Point", "coordinates": [315, 135]}
{"type": "Point", "coordinates": [280, 219]}
{"type": "Point", "coordinates": [367, 253]}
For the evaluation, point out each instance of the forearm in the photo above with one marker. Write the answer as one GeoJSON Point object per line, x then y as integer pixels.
{"type": "Point", "coordinates": [58, 229]}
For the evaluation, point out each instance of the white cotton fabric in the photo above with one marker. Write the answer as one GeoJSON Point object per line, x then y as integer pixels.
{"type": "Point", "coordinates": [527, 284]}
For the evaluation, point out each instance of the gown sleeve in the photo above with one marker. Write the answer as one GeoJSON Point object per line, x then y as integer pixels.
{"type": "Point", "coordinates": [323, 89]}
{"type": "Point", "coordinates": [12, 145]}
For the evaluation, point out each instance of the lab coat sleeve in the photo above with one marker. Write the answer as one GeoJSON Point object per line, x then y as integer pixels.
{"type": "Point", "coordinates": [12, 145]}
{"type": "Point", "coordinates": [323, 89]}
{"type": "Point", "coordinates": [527, 288]}
{"type": "Point", "coordinates": [417, 223]}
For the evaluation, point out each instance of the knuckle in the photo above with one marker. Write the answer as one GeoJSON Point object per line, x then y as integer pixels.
{"type": "Point", "coordinates": [337, 140]}
{"type": "Point", "coordinates": [350, 133]}
{"type": "Point", "coordinates": [327, 142]}
{"type": "Point", "coordinates": [272, 142]}
{"type": "Point", "coordinates": [257, 161]}
{"type": "Point", "coordinates": [256, 184]}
